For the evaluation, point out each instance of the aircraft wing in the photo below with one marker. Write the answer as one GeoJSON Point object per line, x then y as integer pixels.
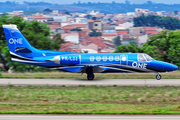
{"type": "Point", "coordinates": [80, 69]}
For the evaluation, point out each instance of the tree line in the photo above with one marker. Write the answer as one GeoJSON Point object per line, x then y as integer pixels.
{"type": "Point", "coordinates": [36, 33]}
{"type": "Point", "coordinates": [164, 46]}
{"type": "Point", "coordinates": [169, 23]}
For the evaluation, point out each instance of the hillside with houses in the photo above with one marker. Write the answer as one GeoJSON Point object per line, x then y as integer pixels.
{"type": "Point", "coordinates": [75, 28]}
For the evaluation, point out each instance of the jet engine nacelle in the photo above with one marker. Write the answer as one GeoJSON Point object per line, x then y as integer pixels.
{"type": "Point", "coordinates": [66, 59]}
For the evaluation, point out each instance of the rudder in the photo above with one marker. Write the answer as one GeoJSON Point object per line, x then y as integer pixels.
{"type": "Point", "coordinates": [17, 43]}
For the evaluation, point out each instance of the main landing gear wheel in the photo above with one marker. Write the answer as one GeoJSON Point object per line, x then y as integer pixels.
{"type": "Point", "coordinates": [90, 76]}
{"type": "Point", "coordinates": [158, 76]}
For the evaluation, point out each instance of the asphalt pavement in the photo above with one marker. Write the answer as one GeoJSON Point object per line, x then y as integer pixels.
{"type": "Point", "coordinates": [104, 82]}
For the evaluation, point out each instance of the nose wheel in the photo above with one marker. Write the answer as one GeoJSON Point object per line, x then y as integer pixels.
{"type": "Point", "coordinates": [158, 76]}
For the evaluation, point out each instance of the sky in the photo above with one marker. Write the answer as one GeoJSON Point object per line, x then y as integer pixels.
{"type": "Point", "coordinates": [109, 1]}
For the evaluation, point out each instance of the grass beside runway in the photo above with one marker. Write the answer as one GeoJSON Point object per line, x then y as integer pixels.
{"type": "Point", "coordinates": [88, 109]}
{"type": "Point", "coordinates": [89, 100]}
{"type": "Point", "coordinates": [60, 75]}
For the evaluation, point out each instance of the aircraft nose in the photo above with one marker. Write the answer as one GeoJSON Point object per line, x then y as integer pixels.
{"type": "Point", "coordinates": [164, 66]}
{"type": "Point", "coordinates": [171, 67]}
{"type": "Point", "coordinates": [174, 67]}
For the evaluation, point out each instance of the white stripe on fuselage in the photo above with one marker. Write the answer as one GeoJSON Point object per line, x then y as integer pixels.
{"type": "Point", "coordinates": [118, 69]}
{"type": "Point", "coordinates": [25, 61]}
{"type": "Point", "coordinates": [19, 56]}
{"type": "Point", "coordinates": [66, 67]}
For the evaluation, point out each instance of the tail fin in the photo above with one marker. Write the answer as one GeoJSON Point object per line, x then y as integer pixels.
{"type": "Point", "coordinates": [20, 47]}
{"type": "Point", "coordinates": [17, 43]}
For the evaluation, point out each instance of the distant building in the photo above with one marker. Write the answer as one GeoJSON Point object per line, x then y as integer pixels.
{"type": "Point", "coordinates": [109, 29]}
{"type": "Point", "coordinates": [159, 13]}
{"type": "Point", "coordinates": [54, 29]}
{"type": "Point", "coordinates": [50, 19]}
{"type": "Point", "coordinates": [95, 24]}
{"type": "Point", "coordinates": [127, 25]}
{"type": "Point", "coordinates": [40, 18]}
{"type": "Point", "coordinates": [70, 37]}
{"type": "Point", "coordinates": [64, 24]}
{"type": "Point", "coordinates": [91, 48]}
{"type": "Point", "coordinates": [82, 35]}
{"type": "Point", "coordinates": [67, 28]}
{"type": "Point", "coordinates": [136, 31]}
{"type": "Point", "coordinates": [138, 10]}
{"type": "Point", "coordinates": [125, 38]}
{"type": "Point", "coordinates": [142, 39]}
{"type": "Point", "coordinates": [80, 20]}
{"type": "Point", "coordinates": [69, 47]}
{"type": "Point", "coordinates": [96, 41]}
{"type": "Point", "coordinates": [79, 25]}
{"type": "Point", "coordinates": [121, 30]}
{"type": "Point", "coordinates": [53, 23]}
{"type": "Point", "coordinates": [60, 18]}
{"type": "Point", "coordinates": [94, 12]}
{"type": "Point", "coordinates": [109, 36]}
{"type": "Point", "coordinates": [131, 14]}
{"type": "Point", "coordinates": [90, 24]}
{"type": "Point", "coordinates": [150, 30]}
{"type": "Point", "coordinates": [55, 12]}
{"type": "Point", "coordinates": [18, 12]}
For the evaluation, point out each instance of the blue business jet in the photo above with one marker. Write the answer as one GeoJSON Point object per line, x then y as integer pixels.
{"type": "Point", "coordinates": [21, 51]}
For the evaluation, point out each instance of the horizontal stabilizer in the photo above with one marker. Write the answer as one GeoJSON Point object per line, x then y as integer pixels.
{"type": "Point", "coordinates": [23, 50]}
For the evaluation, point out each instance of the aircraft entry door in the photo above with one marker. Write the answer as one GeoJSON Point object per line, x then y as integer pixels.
{"type": "Point", "coordinates": [123, 60]}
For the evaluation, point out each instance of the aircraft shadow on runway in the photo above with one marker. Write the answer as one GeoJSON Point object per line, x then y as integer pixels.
{"type": "Point", "coordinates": [89, 80]}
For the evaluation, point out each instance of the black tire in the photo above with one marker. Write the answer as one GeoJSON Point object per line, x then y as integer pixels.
{"type": "Point", "coordinates": [158, 77]}
{"type": "Point", "coordinates": [90, 76]}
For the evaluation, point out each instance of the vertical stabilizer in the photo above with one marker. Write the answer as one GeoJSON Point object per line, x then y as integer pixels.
{"type": "Point", "coordinates": [17, 43]}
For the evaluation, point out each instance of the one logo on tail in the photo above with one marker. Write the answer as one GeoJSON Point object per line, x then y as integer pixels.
{"type": "Point", "coordinates": [15, 41]}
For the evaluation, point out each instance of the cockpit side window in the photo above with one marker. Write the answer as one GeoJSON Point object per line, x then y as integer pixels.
{"type": "Point", "coordinates": [148, 58]}
{"type": "Point", "coordinates": [141, 58]}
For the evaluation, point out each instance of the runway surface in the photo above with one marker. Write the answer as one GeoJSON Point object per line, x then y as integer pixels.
{"type": "Point", "coordinates": [105, 82]}
{"type": "Point", "coordinates": [89, 117]}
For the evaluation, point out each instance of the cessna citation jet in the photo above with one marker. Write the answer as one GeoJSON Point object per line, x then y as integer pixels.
{"type": "Point", "coordinates": [21, 51]}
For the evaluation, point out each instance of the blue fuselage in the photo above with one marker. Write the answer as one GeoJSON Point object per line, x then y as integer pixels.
{"type": "Point", "coordinates": [104, 62]}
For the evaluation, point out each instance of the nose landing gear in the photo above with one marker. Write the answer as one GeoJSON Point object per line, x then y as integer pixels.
{"type": "Point", "coordinates": [158, 76]}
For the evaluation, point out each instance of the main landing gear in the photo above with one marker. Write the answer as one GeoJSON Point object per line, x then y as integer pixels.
{"type": "Point", "coordinates": [158, 76]}
{"type": "Point", "coordinates": [90, 76]}
{"type": "Point", "coordinates": [89, 72]}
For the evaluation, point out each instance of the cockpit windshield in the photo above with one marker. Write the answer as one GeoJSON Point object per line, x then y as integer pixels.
{"type": "Point", "coordinates": [148, 58]}
{"type": "Point", "coordinates": [141, 58]}
{"type": "Point", "coordinates": [144, 58]}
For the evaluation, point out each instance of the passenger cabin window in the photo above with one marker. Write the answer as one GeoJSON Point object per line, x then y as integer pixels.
{"type": "Point", "coordinates": [141, 58]}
